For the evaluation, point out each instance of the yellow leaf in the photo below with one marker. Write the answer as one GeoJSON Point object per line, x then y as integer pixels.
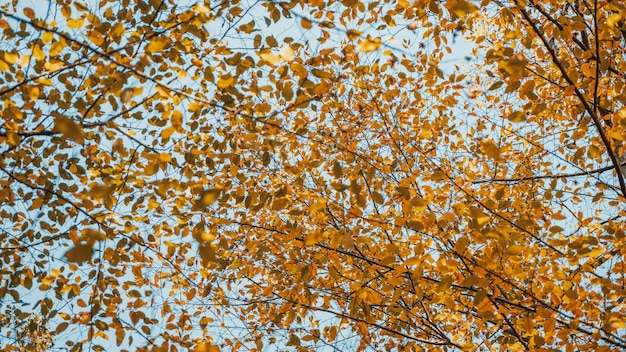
{"type": "Point", "coordinates": [52, 65]}
{"type": "Point", "coordinates": [286, 52]}
{"type": "Point", "coordinates": [415, 225]}
{"type": "Point", "coordinates": [24, 61]}
{"type": "Point", "coordinates": [596, 252]}
{"type": "Point", "coordinates": [80, 253]}
{"type": "Point", "coordinates": [594, 151]}
{"type": "Point", "coordinates": [322, 88]}
{"type": "Point", "coordinates": [57, 47]}
{"type": "Point", "coordinates": [347, 241]}
{"type": "Point", "coordinates": [33, 92]}
{"type": "Point", "coordinates": [613, 20]}
{"type": "Point", "coordinates": [517, 116]}
{"type": "Point", "coordinates": [75, 23]}
{"type": "Point", "coordinates": [349, 3]}
{"type": "Point", "coordinates": [101, 191]}
{"type": "Point", "coordinates": [270, 57]}
{"type": "Point", "coordinates": [45, 81]}
{"type": "Point", "coordinates": [151, 168]}
{"type": "Point", "coordinates": [617, 135]}
{"type": "Point", "coordinates": [515, 64]}
{"type": "Point", "coordinates": [318, 205]}
{"type": "Point", "coordinates": [206, 347]}
{"type": "Point", "coordinates": [38, 54]}
{"type": "Point", "coordinates": [177, 119]}
{"type": "Point", "coordinates": [226, 81]}
{"type": "Point", "coordinates": [117, 31]}
{"type": "Point", "coordinates": [369, 44]}
{"type": "Point", "coordinates": [460, 8]}
{"type": "Point", "coordinates": [202, 9]}
{"type": "Point", "coordinates": [413, 261]}
{"type": "Point", "coordinates": [156, 45]}
{"type": "Point", "coordinates": [47, 37]}
{"type": "Point", "coordinates": [312, 238]}
{"type": "Point", "coordinates": [168, 132]}
{"type": "Point", "coordinates": [163, 92]}
{"type": "Point", "coordinates": [61, 327]}
{"type": "Point", "coordinates": [280, 203]}
{"type": "Point", "coordinates": [4, 66]}
{"type": "Point", "coordinates": [337, 169]}
{"type": "Point", "coordinates": [66, 11]}
{"type": "Point", "coordinates": [425, 133]}
{"type": "Point", "coordinates": [165, 157]}
{"type": "Point", "coordinates": [11, 58]}
{"type": "Point", "coordinates": [14, 138]}
{"type": "Point", "coordinates": [203, 236]}
{"type": "Point", "coordinates": [515, 250]}
{"type": "Point", "coordinates": [95, 37]}
{"type": "Point", "coordinates": [462, 243]}
{"type": "Point", "coordinates": [207, 198]}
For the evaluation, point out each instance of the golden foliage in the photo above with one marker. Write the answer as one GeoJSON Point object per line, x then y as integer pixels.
{"type": "Point", "coordinates": [314, 175]}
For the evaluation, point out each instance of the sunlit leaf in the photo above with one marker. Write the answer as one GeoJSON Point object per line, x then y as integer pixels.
{"type": "Point", "coordinates": [156, 45]}
{"type": "Point", "coordinates": [286, 53]}
{"type": "Point", "coordinates": [270, 57]}
{"type": "Point", "coordinates": [251, 176]}
{"type": "Point", "coordinates": [206, 347]}
{"type": "Point", "coordinates": [75, 23]}
{"type": "Point", "coordinates": [369, 44]}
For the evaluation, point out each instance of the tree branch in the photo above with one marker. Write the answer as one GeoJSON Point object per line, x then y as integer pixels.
{"type": "Point", "coordinates": [540, 177]}
{"type": "Point", "coordinates": [581, 97]}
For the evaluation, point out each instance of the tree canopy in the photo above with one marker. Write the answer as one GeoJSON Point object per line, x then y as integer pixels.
{"type": "Point", "coordinates": [313, 175]}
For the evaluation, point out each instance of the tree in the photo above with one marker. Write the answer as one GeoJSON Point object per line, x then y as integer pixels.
{"type": "Point", "coordinates": [315, 175]}
{"type": "Point", "coordinates": [27, 332]}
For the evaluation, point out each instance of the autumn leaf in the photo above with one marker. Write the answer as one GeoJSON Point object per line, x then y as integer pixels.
{"type": "Point", "coordinates": [460, 8]}
{"type": "Point", "coordinates": [270, 57]}
{"type": "Point", "coordinates": [353, 34]}
{"type": "Point", "coordinates": [157, 45]}
{"type": "Point", "coordinates": [517, 116]}
{"type": "Point", "coordinates": [207, 253]}
{"type": "Point", "coordinates": [514, 64]}
{"type": "Point", "coordinates": [75, 23]}
{"type": "Point", "coordinates": [207, 198]}
{"type": "Point", "coordinates": [69, 128]}
{"type": "Point", "coordinates": [94, 235]}
{"type": "Point", "coordinates": [95, 37]}
{"type": "Point", "coordinates": [259, 176]}
{"type": "Point", "coordinates": [286, 53]}
{"type": "Point", "coordinates": [369, 44]}
{"type": "Point", "coordinates": [79, 253]}
{"type": "Point", "coordinates": [206, 347]}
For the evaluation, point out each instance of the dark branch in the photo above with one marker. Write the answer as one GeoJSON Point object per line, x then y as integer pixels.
{"type": "Point", "coordinates": [541, 177]}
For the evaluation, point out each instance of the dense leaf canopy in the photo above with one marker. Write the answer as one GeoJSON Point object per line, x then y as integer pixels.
{"type": "Point", "coordinates": [313, 175]}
